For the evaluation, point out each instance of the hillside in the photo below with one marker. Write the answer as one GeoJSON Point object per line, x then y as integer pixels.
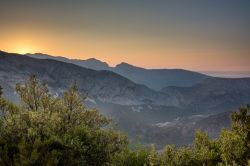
{"type": "Point", "coordinates": [213, 94]}
{"type": "Point", "coordinates": [99, 85]}
{"type": "Point", "coordinates": [152, 78]}
{"type": "Point", "coordinates": [145, 114]}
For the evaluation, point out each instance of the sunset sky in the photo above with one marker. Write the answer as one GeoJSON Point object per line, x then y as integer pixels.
{"type": "Point", "coordinates": [201, 35]}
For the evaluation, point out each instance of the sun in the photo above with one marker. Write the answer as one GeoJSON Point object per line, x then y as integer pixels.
{"type": "Point", "coordinates": [25, 50]}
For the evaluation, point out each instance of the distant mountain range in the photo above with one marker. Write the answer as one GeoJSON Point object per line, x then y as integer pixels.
{"type": "Point", "coordinates": [105, 86]}
{"type": "Point", "coordinates": [213, 94]}
{"type": "Point", "coordinates": [153, 78]}
{"type": "Point", "coordinates": [166, 114]}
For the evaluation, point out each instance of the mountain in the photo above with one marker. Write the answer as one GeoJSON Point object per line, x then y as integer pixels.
{"type": "Point", "coordinates": [159, 78]}
{"type": "Point", "coordinates": [91, 63]}
{"type": "Point", "coordinates": [181, 131]}
{"type": "Point", "coordinates": [99, 85]}
{"type": "Point", "coordinates": [153, 78]}
{"type": "Point", "coordinates": [161, 125]}
{"type": "Point", "coordinates": [213, 94]}
{"type": "Point", "coordinates": [168, 116]}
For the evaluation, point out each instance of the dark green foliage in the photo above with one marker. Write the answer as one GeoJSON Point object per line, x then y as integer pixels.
{"type": "Point", "coordinates": [45, 130]}
{"type": "Point", "coordinates": [48, 130]}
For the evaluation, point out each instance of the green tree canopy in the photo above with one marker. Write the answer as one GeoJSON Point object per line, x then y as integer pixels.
{"type": "Point", "coordinates": [48, 130]}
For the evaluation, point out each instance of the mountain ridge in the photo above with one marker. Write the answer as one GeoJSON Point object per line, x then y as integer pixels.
{"type": "Point", "coordinates": [161, 117]}
{"type": "Point", "coordinates": [153, 78]}
{"type": "Point", "coordinates": [102, 85]}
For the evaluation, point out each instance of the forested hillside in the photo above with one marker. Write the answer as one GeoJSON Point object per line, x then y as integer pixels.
{"type": "Point", "coordinates": [49, 130]}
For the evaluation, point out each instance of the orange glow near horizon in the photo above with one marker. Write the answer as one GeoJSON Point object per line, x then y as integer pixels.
{"type": "Point", "coordinates": [113, 56]}
{"type": "Point", "coordinates": [160, 34]}
{"type": "Point", "coordinates": [139, 52]}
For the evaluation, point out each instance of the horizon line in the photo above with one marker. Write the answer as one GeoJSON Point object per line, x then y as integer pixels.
{"type": "Point", "coordinates": [207, 72]}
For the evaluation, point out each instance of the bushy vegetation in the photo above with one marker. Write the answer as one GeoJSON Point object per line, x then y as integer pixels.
{"type": "Point", "coordinates": [48, 130]}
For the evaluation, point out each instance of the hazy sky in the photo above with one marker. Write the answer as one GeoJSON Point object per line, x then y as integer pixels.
{"type": "Point", "coordinates": [190, 34]}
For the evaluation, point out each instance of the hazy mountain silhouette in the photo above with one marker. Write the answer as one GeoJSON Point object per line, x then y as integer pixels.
{"type": "Point", "coordinates": [152, 78]}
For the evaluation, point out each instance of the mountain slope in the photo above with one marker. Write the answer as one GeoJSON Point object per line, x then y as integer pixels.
{"type": "Point", "coordinates": [91, 63]}
{"type": "Point", "coordinates": [169, 116]}
{"type": "Point", "coordinates": [152, 78]}
{"type": "Point", "coordinates": [101, 85]}
{"type": "Point", "coordinates": [213, 94]}
{"type": "Point", "coordinates": [159, 78]}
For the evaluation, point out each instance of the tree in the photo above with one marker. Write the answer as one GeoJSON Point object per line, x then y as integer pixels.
{"type": "Point", "coordinates": [34, 95]}
{"type": "Point", "coordinates": [206, 151]}
{"type": "Point", "coordinates": [48, 130]}
{"type": "Point", "coordinates": [241, 121]}
{"type": "Point", "coordinates": [234, 144]}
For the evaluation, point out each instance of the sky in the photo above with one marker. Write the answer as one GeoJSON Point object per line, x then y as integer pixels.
{"type": "Point", "coordinates": [200, 35]}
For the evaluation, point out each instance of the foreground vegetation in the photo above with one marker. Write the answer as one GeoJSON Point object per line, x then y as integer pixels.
{"type": "Point", "coordinates": [49, 130]}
